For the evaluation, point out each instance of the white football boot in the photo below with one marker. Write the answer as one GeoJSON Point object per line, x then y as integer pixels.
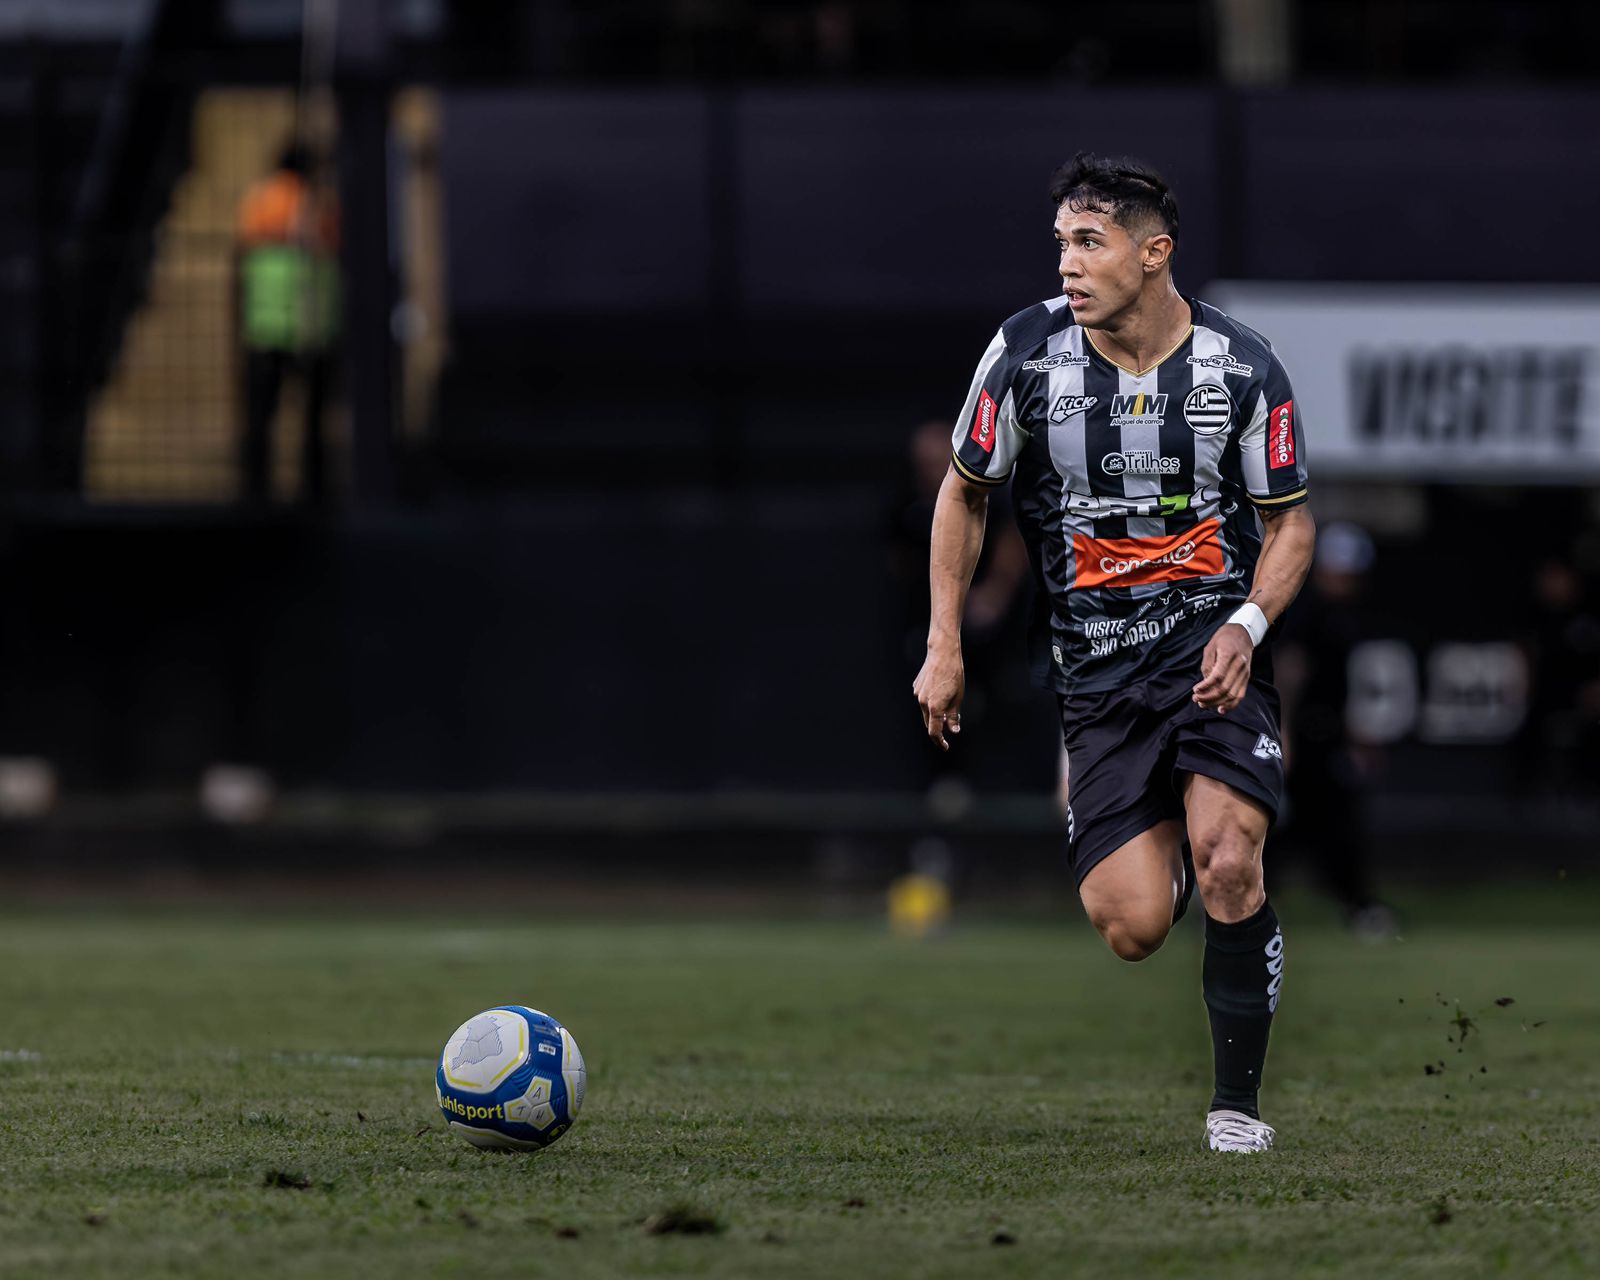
{"type": "Point", "coordinates": [1235, 1131]}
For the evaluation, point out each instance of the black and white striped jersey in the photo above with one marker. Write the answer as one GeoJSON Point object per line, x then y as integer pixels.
{"type": "Point", "coordinates": [1135, 492]}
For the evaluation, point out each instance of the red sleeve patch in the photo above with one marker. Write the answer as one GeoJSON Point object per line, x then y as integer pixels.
{"type": "Point", "coordinates": [983, 422]}
{"type": "Point", "coordinates": [1280, 436]}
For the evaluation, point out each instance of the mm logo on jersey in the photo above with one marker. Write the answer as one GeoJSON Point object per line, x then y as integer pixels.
{"type": "Point", "coordinates": [1066, 406]}
{"type": "Point", "coordinates": [1280, 436]}
{"type": "Point", "coordinates": [1129, 562]}
{"type": "Point", "coordinates": [1139, 410]}
{"type": "Point", "coordinates": [1207, 410]}
{"type": "Point", "coordinates": [983, 422]}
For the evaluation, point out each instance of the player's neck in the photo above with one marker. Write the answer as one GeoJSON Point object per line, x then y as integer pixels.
{"type": "Point", "coordinates": [1147, 332]}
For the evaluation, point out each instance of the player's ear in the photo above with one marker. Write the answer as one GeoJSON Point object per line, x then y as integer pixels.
{"type": "Point", "coordinates": [1157, 252]}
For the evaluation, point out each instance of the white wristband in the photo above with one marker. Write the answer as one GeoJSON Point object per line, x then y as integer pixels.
{"type": "Point", "coordinates": [1250, 617]}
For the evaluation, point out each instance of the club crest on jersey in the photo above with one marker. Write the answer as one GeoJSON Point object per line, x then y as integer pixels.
{"type": "Point", "coordinates": [1140, 410]}
{"type": "Point", "coordinates": [1224, 362]}
{"type": "Point", "coordinates": [1066, 406]}
{"type": "Point", "coordinates": [983, 423]}
{"type": "Point", "coordinates": [1208, 410]}
{"type": "Point", "coordinates": [1055, 362]}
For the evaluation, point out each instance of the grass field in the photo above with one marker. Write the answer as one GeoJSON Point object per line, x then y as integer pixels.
{"type": "Point", "coordinates": [201, 1094]}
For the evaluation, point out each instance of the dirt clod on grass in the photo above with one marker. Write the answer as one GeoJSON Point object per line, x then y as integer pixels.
{"type": "Point", "coordinates": [682, 1219]}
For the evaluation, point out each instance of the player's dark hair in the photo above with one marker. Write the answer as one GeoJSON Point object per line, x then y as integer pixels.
{"type": "Point", "coordinates": [1126, 190]}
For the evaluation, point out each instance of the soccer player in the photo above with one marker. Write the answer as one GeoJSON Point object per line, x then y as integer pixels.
{"type": "Point", "coordinates": [1158, 477]}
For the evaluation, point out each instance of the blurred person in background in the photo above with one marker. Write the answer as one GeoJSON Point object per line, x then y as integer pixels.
{"type": "Point", "coordinates": [1558, 748]}
{"type": "Point", "coordinates": [998, 589]}
{"type": "Point", "coordinates": [1327, 768]}
{"type": "Point", "coordinates": [288, 314]}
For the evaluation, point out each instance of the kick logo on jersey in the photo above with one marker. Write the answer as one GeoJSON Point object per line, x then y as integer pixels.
{"type": "Point", "coordinates": [1066, 406]}
{"type": "Point", "coordinates": [1208, 410]}
{"type": "Point", "coordinates": [1267, 749]}
{"type": "Point", "coordinates": [1280, 436]}
{"type": "Point", "coordinates": [983, 422]}
{"type": "Point", "coordinates": [1224, 362]}
{"type": "Point", "coordinates": [1055, 362]}
{"type": "Point", "coordinates": [1141, 410]}
{"type": "Point", "coordinates": [1130, 562]}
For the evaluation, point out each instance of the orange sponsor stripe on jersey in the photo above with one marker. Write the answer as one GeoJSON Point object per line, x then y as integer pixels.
{"type": "Point", "coordinates": [1127, 562]}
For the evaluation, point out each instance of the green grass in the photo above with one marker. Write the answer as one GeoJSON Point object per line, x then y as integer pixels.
{"type": "Point", "coordinates": [251, 1096]}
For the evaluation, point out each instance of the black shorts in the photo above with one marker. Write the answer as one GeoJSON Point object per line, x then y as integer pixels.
{"type": "Point", "coordinates": [1127, 750]}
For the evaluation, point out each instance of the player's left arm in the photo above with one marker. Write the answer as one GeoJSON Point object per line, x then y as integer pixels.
{"type": "Point", "coordinates": [1272, 453]}
{"type": "Point", "coordinates": [1287, 544]}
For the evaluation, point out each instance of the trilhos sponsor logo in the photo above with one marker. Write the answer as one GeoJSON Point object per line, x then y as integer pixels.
{"type": "Point", "coordinates": [1139, 462]}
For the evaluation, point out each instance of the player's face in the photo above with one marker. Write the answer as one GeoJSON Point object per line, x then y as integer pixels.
{"type": "Point", "coordinates": [1101, 265]}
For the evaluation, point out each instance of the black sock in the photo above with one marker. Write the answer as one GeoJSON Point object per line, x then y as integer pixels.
{"type": "Point", "coordinates": [1242, 975]}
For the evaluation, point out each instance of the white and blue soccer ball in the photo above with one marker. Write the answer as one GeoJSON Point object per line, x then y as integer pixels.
{"type": "Point", "coordinates": [510, 1079]}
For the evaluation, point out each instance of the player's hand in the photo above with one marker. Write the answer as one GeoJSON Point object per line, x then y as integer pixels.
{"type": "Point", "coordinates": [1225, 669]}
{"type": "Point", "coordinates": [940, 687]}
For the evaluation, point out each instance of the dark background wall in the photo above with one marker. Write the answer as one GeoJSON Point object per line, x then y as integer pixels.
{"type": "Point", "coordinates": [698, 299]}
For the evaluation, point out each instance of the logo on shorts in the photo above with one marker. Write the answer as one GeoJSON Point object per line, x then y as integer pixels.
{"type": "Point", "coordinates": [1066, 406]}
{"type": "Point", "coordinates": [1224, 362]}
{"type": "Point", "coordinates": [983, 423]}
{"type": "Point", "coordinates": [1207, 410]}
{"type": "Point", "coordinates": [1267, 749]}
{"type": "Point", "coordinates": [1055, 362]}
{"type": "Point", "coordinates": [1072, 826]}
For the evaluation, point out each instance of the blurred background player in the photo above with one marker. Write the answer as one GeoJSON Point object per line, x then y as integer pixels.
{"type": "Point", "coordinates": [288, 315]}
{"type": "Point", "coordinates": [1558, 748]}
{"type": "Point", "coordinates": [1327, 768]}
{"type": "Point", "coordinates": [990, 622]}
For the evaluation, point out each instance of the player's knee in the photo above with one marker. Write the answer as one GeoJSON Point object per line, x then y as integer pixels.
{"type": "Point", "coordinates": [1226, 866]}
{"type": "Point", "coordinates": [1131, 938]}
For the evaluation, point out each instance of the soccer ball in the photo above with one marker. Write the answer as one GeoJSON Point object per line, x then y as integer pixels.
{"type": "Point", "coordinates": [510, 1079]}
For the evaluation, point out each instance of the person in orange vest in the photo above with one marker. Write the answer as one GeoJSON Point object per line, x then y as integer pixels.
{"type": "Point", "coordinates": [288, 314]}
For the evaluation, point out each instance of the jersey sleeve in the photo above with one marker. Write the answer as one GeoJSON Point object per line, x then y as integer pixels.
{"type": "Point", "coordinates": [988, 437]}
{"type": "Point", "coordinates": [1272, 447]}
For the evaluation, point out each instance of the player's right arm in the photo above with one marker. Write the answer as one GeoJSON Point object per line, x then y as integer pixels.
{"type": "Point", "coordinates": [958, 521]}
{"type": "Point", "coordinates": [985, 444]}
